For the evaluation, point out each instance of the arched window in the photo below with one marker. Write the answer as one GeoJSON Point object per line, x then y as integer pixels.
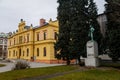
{"type": "Point", "coordinates": [44, 53]}
{"type": "Point", "coordinates": [37, 51]}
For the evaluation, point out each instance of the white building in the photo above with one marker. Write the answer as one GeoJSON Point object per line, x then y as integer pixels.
{"type": "Point", "coordinates": [3, 45]}
{"type": "Point", "coordinates": [102, 20]}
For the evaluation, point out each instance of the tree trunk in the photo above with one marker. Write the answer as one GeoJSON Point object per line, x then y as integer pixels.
{"type": "Point", "coordinates": [79, 60]}
{"type": "Point", "coordinates": [68, 61]}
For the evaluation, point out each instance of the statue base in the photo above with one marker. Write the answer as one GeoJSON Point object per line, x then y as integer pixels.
{"type": "Point", "coordinates": [92, 54]}
{"type": "Point", "coordinates": [92, 62]}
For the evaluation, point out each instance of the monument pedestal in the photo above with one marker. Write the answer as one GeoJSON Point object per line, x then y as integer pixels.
{"type": "Point", "coordinates": [93, 62]}
{"type": "Point", "coordinates": [92, 54]}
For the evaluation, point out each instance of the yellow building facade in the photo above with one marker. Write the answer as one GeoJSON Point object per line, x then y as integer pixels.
{"type": "Point", "coordinates": [34, 43]}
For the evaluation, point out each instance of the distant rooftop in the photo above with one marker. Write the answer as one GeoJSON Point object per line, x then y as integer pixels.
{"type": "Point", "coordinates": [27, 27]}
{"type": "Point", "coordinates": [40, 25]}
{"type": "Point", "coordinates": [3, 34]}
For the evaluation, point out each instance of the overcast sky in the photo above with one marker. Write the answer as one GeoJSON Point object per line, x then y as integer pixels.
{"type": "Point", "coordinates": [11, 11]}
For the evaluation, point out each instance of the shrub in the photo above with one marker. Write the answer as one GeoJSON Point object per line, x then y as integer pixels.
{"type": "Point", "coordinates": [21, 65]}
{"type": "Point", "coordinates": [82, 63]}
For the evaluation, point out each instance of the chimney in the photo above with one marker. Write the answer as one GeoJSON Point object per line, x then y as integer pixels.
{"type": "Point", "coordinates": [42, 22]}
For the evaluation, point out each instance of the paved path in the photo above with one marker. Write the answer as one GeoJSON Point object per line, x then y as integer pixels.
{"type": "Point", "coordinates": [35, 65]}
{"type": "Point", "coordinates": [9, 66]}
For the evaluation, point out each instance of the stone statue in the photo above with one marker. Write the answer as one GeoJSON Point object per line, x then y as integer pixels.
{"type": "Point", "coordinates": [91, 32]}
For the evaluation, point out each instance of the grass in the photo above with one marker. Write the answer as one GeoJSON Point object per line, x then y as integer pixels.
{"type": "Point", "coordinates": [110, 64]}
{"type": "Point", "coordinates": [18, 74]}
{"type": "Point", "coordinates": [105, 73]}
{"type": "Point", "coordinates": [1, 65]}
{"type": "Point", "coordinates": [91, 75]}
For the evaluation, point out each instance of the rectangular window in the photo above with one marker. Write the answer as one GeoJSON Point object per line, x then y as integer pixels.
{"type": "Point", "coordinates": [13, 53]}
{"type": "Point", "coordinates": [10, 42]}
{"type": "Point", "coordinates": [37, 51]}
{"type": "Point", "coordinates": [16, 53]}
{"type": "Point", "coordinates": [5, 41]}
{"type": "Point", "coordinates": [19, 53]}
{"type": "Point", "coordinates": [14, 41]}
{"type": "Point", "coordinates": [1, 41]}
{"type": "Point", "coordinates": [20, 39]}
{"type": "Point", "coordinates": [37, 36]}
{"type": "Point", "coordinates": [27, 52]}
{"type": "Point", "coordinates": [55, 35]}
{"type": "Point", "coordinates": [25, 40]}
{"type": "Point", "coordinates": [5, 48]}
{"type": "Point", "coordinates": [45, 35]}
{"type": "Point", "coordinates": [44, 53]}
{"type": "Point", "coordinates": [23, 53]}
{"type": "Point", "coordinates": [27, 37]}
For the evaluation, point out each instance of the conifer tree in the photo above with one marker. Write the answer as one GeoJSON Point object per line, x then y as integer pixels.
{"type": "Point", "coordinates": [75, 18]}
{"type": "Point", "coordinates": [64, 31]}
{"type": "Point", "coordinates": [84, 15]}
{"type": "Point", "coordinates": [79, 29]}
{"type": "Point", "coordinates": [113, 28]}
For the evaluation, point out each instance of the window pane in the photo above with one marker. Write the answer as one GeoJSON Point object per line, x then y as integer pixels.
{"type": "Point", "coordinates": [27, 37]}
{"type": "Point", "coordinates": [37, 36]}
{"type": "Point", "coordinates": [55, 35]}
{"type": "Point", "coordinates": [20, 39]}
{"type": "Point", "coordinates": [23, 53]}
{"type": "Point", "coordinates": [19, 52]}
{"type": "Point", "coordinates": [37, 51]}
{"type": "Point", "coordinates": [14, 41]}
{"type": "Point", "coordinates": [44, 49]}
{"type": "Point", "coordinates": [44, 35]}
{"type": "Point", "coordinates": [27, 52]}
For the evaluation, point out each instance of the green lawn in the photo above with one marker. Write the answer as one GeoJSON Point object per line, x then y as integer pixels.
{"type": "Point", "coordinates": [18, 74]}
{"type": "Point", "coordinates": [1, 65]}
{"type": "Point", "coordinates": [112, 64]}
{"type": "Point", "coordinates": [91, 75]}
{"type": "Point", "coordinates": [103, 73]}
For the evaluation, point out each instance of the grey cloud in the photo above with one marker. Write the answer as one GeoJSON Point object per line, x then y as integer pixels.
{"type": "Point", "coordinates": [11, 11]}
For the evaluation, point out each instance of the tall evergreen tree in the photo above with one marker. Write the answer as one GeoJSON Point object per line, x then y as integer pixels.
{"type": "Point", "coordinates": [113, 28]}
{"type": "Point", "coordinates": [62, 45]}
{"type": "Point", "coordinates": [79, 29]}
{"type": "Point", "coordinates": [84, 15]}
{"type": "Point", "coordinates": [75, 18]}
